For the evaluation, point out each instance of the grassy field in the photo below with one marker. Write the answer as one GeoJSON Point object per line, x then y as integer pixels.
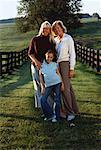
{"type": "Point", "coordinates": [86, 20]}
{"type": "Point", "coordinates": [11, 40]}
{"type": "Point", "coordinates": [89, 34]}
{"type": "Point", "coordinates": [22, 128]}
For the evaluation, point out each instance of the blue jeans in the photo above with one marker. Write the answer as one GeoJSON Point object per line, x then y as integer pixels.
{"type": "Point", "coordinates": [47, 110]}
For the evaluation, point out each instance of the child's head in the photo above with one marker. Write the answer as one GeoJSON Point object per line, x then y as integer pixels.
{"type": "Point", "coordinates": [50, 56]}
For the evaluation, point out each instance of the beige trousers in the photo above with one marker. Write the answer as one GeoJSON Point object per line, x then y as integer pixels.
{"type": "Point", "coordinates": [68, 97]}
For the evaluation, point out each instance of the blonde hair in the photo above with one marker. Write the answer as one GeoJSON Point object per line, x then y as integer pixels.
{"type": "Point", "coordinates": [60, 23]}
{"type": "Point", "coordinates": [44, 25]}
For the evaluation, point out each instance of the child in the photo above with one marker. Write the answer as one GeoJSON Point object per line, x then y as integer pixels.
{"type": "Point", "coordinates": [50, 81]}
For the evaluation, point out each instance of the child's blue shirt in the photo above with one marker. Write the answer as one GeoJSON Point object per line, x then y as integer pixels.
{"type": "Point", "coordinates": [49, 73]}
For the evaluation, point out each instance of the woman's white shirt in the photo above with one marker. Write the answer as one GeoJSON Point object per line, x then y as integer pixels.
{"type": "Point", "coordinates": [66, 50]}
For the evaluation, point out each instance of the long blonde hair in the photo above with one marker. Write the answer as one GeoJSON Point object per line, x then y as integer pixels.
{"type": "Point", "coordinates": [43, 25]}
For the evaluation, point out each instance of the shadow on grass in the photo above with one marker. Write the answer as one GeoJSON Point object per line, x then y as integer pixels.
{"type": "Point", "coordinates": [16, 97]}
{"type": "Point", "coordinates": [56, 136]}
{"type": "Point", "coordinates": [90, 73]}
{"type": "Point", "coordinates": [20, 78]}
{"type": "Point", "coordinates": [88, 114]}
{"type": "Point", "coordinates": [85, 135]}
{"type": "Point", "coordinates": [19, 117]}
{"type": "Point", "coordinates": [91, 102]}
{"type": "Point", "coordinates": [59, 136]}
{"type": "Point", "coordinates": [22, 117]}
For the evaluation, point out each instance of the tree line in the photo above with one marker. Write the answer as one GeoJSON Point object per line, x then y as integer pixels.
{"type": "Point", "coordinates": [33, 12]}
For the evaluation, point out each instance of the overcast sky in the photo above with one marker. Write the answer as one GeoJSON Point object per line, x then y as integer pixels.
{"type": "Point", "coordinates": [8, 8]}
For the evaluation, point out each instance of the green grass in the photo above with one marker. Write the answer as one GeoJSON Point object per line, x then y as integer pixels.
{"type": "Point", "coordinates": [12, 40]}
{"type": "Point", "coordinates": [89, 34]}
{"type": "Point", "coordinates": [86, 20]}
{"type": "Point", "coordinates": [21, 126]}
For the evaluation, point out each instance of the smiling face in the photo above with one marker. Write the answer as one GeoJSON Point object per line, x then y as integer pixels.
{"type": "Point", "coordinates": [49, 57]}
{"type": "Point", "coordinates": [58, 30]}
{"type": "Point", "coordinates": [46, 31]}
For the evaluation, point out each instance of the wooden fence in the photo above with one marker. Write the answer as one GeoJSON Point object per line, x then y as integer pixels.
{"type": "Point", "coordinates": [89, 56]}
{"type": "Point", "coordinates": [11, 60]}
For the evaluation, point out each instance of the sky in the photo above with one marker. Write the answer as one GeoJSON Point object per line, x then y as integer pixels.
{"type": "Point", "coordinates": [8, 8]}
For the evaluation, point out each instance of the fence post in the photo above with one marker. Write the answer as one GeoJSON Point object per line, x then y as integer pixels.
{"type": "Point", "coordinates": [26, 54]}
{"type": "Point", "coordinates": [7, 57]}
{"type": "Point", "coordinates": [81, 55]}
{"type": "Point", "coordinates": [86, 53]}
{"type": "Point", "coordinates": [98, 61]}
{"type": "Point", "coordinates": [21, 56]}
{"type": "Point", "coordinates": [89, 57]}
{"type": "Point", "coordinates": [93, 64]}
{"type": "Point", "coordinates": [9, 69]}
{"type": "Point", "coordinates": [12, 61]}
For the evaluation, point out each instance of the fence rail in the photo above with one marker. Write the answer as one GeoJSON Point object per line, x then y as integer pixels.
{"type": "Point", "coordinates": [89, 56]}
{"type": "Point", "coordinates": [11, 60]}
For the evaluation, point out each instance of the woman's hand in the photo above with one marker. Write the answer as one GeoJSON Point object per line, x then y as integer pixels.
{"type": "Point", "coordinates": [42, 90]}
{"type": "Point", "coordinates": [38, 64]}
{"type": "Point", "coordinates": [71, 73]}
{"type": "Point", "coordinates": [35, 61]}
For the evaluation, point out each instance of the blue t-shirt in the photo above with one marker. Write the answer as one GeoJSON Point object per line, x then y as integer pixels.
{"type": "Point", "coordinates": [49, 73]}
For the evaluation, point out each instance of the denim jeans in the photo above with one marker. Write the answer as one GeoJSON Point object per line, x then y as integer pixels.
{"type": "Point", "coordinates": [47, 109]}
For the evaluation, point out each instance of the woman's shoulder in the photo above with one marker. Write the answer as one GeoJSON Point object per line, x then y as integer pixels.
{"type": "Point", "coordinates": [67, 37]}
{"type": "Point", "coordinates": [35, 38]}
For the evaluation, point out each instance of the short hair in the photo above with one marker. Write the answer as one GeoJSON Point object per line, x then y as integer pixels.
{"type": "Point", "coordinates": [60, 23]}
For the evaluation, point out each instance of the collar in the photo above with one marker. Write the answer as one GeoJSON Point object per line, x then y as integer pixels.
{"type": "Point", "coordinates": [44, 62]}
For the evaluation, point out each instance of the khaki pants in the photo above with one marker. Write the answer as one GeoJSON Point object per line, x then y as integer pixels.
{"type": "Point", "coordinates": [68, 98]}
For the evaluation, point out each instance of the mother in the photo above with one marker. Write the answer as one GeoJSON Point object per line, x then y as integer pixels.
{"type": "Point", "coordinates": [39, 45]}
{"type": "Point", "coordinates": [66, 59]}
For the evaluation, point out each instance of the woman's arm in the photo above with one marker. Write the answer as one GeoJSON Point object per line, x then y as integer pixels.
{"type": "Point", "coordinates": [31, 53]}
{"type": "Point", "coordinates": [37, 63]}
{"type": "Point", "coordinates": [72, 54]}
{"type": "Point", "coordinates": [72, 57]}
{"type": "Point", "coordinates": [58, 72]}
{"type": "Point", "coordinates": [42, 83]}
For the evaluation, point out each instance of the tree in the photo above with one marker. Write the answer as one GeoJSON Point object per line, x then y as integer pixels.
{"type": "Point", "coordinates": [96, 15]}
{"type": "Point", "coordinates": [34, 12]}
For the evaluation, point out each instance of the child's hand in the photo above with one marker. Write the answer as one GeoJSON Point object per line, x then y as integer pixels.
{"type": "Point", "coordinates": [62, 87]}
{"type": "Point", "coordinates": [42, 90]}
